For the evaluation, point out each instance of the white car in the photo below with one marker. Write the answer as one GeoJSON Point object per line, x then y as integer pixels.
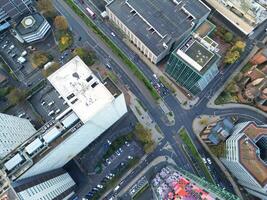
{"type": "Point", "coordinates": [99, 186]}
{"type": "Point", "coordinates": [116, 188]}
{"type": "Point", "coordinates": [113, 34]}
{"type": "Point", "coordinates": [209, 160]}
{"type": "Point", "coordinates": [204, 160]}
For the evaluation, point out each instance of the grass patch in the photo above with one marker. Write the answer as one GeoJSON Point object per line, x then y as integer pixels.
{"type": "Point", "coordinates": [166, 84]}
{"type": "Point", "coordinates": [7, 68]}
{"type": "Point", "coordinates": [246, 67]}
{"type": "Point", "coordinates": [4, 91]}
{"type": "Point", "coordinates": [188, 142]}
{"type": "Point", "coordinates": [65, 40]}
{"type": "Point", "coordinates": [112, 76]}
{"type": "Point", "coordinates": [138, 111]}
{"type": "Point", "coordinates": [36, 88]}
{"type": "Point", "coordinates": [140, 192]}
{"type": "Point", "coordinates": [120, 141]}
{"type": "Point", "coordinates": [141, 104]}
{"type": "Point", "coordinates": [114, 49]}
{"type": "Point", "coordinates": [225, 97]}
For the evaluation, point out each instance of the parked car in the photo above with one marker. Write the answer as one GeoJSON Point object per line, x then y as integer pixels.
{"type": "Point", "coordinates": [127, 144]}
{"type": "Point", "coordinates": [99, 186]}
{"type": "Point", "coordinates": [209, 160]}
{"type": "Point", "coordinates": [204, 160]}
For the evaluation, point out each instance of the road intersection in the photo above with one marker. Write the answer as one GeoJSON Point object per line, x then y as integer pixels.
{"type": "Point", "coordinates": [183, 118]}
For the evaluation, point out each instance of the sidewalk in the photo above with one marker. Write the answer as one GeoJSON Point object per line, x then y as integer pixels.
{"type": "Point", "coordinates": [155, 162]}
{"type": "Point", "coordinates": [144, 118]}
{"type": "Point", "coordinates": [197, 128]}
{"type": "Point", "coordinates": [185, 102]}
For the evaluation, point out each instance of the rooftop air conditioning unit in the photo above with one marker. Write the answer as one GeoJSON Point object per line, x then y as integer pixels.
{"type": "Point", "coordinates": [165, 45]}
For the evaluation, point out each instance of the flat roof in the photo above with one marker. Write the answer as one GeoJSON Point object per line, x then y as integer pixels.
{"type": "Point", "coordinates": [80, 88]}
{"type": "Point", "coordinates": [248, 152]}
{"type": "Point", "coordinates": [254, 13]}
{"type": "Point", "coordinates": [30, 23]}
{"type": "Point", "coordinates": [196, 54]}
{"type": "Point", "coordinates": [158, 21]}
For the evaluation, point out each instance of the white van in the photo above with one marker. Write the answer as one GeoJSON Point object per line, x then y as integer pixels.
{"type": "Point", "coordinates": [51, 113]}
{"type": "Point", "coordinates": [116, 188]}
{"type": "Point", "coordinates": [21, 60]}
{"type": "Point", "coordinates": [51, 103]}
{"type": "Point", "coordinates": [24, 53]}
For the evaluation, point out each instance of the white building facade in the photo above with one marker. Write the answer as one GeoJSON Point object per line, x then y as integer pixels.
{"type": "Point", "coordinates": [93, 108]}
{"type": "Point", "coordinates": [243, 160]}
{"type": "Point", "coordinates": [13, 132]}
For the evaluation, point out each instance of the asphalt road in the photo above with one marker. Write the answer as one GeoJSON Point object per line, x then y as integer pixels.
{"type": "Point", "coordinates": [182, 117]}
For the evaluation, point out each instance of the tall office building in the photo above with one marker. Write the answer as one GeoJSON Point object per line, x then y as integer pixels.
{"type": "Point", "coordinates": [172, 183]}
{"type": "Point", "coordinates": [195, 62]}
{"type": "Point", "coordinates": [93, 107]}
{"type": "Point", "coordinates": [13, 132]}
{"type": "Point", "coordinates": [52, 185]}
{"type": "Point", "coordinates": [11, 10]}
{"type": "Point", "coordinates": [154, 26]}
{"type": "Point", "coordinates": [246, 157]}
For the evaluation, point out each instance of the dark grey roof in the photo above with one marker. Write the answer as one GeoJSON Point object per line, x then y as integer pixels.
{"type": "Point", "coordinates": [167, 19]}
{"type": "Point", "coordinates": [39, 19]}
{"type": "Point", "coordinates": [15, 8]}
{"type": "Point", "coordinates": [23, 184]}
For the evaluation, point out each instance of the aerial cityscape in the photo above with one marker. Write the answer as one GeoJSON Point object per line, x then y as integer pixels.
{"type": "Point", "coordinates": [133, 100]}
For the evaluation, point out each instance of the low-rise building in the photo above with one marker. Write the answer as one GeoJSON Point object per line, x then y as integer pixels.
{"type": "Point", "coordinates": [245, 15]}
{"type": "Point", "coordinates": [194, 63]}
{"type": "Point", "coordinates": [154, 26]}
{"type": "Point", "coordinates": [246, 157]}
{"type": "Point", "coordinates": [259, 57]}
{"type": "Point", "coordinates": [172, 183]}
{"type": "Point", "coordinates": [218, 131]}
{"type": "Point", "coordinates": [31, 28]}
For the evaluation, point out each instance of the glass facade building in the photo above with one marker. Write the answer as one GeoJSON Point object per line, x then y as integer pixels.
{"type": "Point", "coordinates": [193, 65]}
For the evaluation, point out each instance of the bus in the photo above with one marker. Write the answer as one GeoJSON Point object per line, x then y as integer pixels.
{"type": "Point", "coordinates": [91, 13]}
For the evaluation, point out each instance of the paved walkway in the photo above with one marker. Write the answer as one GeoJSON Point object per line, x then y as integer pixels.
{"type": "Point", "coordinates": [197, 128]}
{"type": "Point", "coordinates": [144, 118]}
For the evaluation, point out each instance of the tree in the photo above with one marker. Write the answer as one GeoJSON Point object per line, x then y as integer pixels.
{"type": "Point", "coordinates": [16, 96]}
{"type": "Point", "coordinates": [228, 37]}
{"type": "Point", "coordinates": [50, 70]}
{"type": "Point", "coordinates": [87, 56]}
{"type": "Point", "coordinates": [39, 58]}
{"type": "Point", "coordinates": [232, 87]}
{"type": "Point", "coordinates": [64, 40]}
{"type": "Point", "coordinates": [149, 147]}
{"type": "Point", "coordinates": [231, 57]}
{"type": "Point", "coordinates": [204, 121]}
{"type": "Point", "coordinates": [61, 23]}
{"type": "Point", "coordinates": [45, 6]}
{"type": "Point", "coordinates": [239, 46]}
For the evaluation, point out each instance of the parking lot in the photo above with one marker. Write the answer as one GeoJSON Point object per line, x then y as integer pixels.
{"type": "Point", "coordinates": [48, 103]}
{"type": "Point", "coordinates": [113, 166]}
{"type": "Point", "coordinates": [16, 57]}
